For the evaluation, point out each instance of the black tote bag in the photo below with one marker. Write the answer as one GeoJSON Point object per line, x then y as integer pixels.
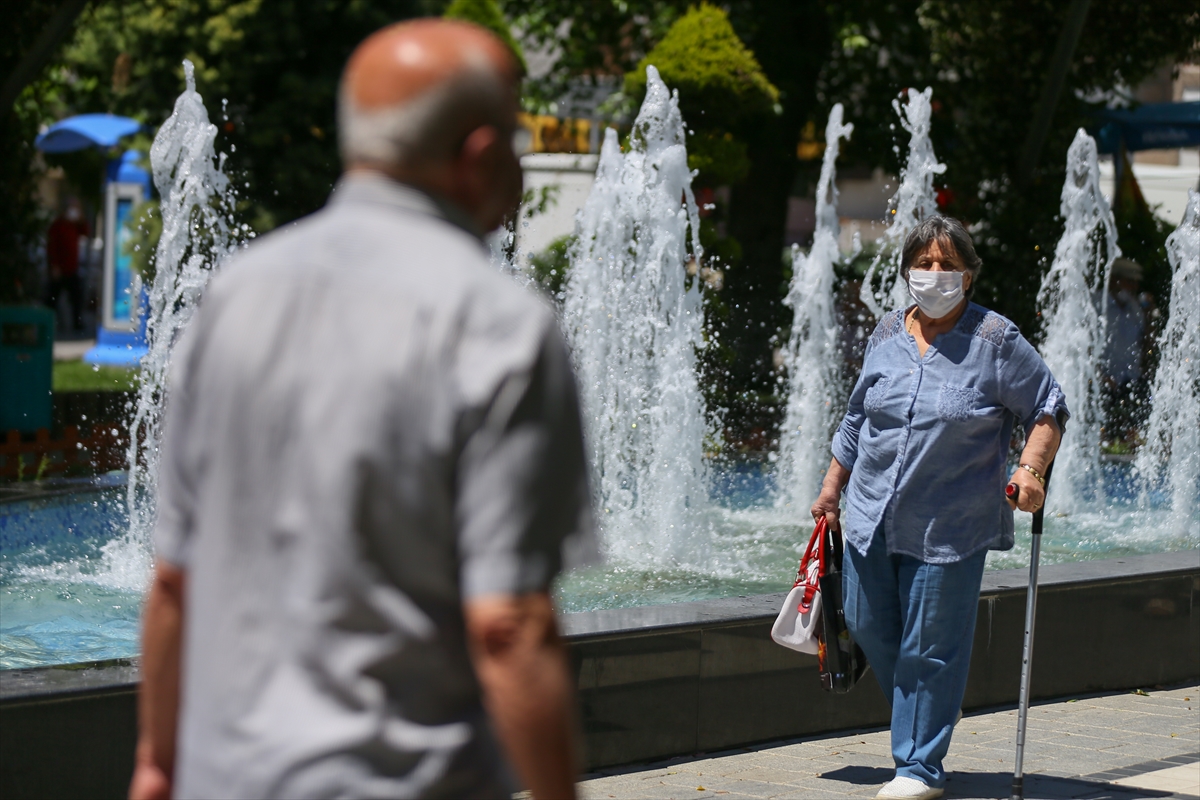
{"type": "Point", "coordinates": [841, 660]}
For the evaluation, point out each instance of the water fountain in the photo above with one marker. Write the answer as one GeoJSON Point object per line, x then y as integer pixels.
{"type": "Point", "coordinates": [634, 324]}
{"type": "Point", "coordinates": [1171, 454]}
{"type": "Point", "coordinates": [1070, 304]}
{"type": "Point", "coordinates": [677, 527]}
{"type": "Point", "coordinates": [196, 205]}
{"type": "Point", "coordinates": [501, 244]}
{"type": "Point", "coordinates": [81, 580]}
{"type": "Point", "coordinates": [813, 355]}
{"type": "Point", "coordinates": [915, 199]}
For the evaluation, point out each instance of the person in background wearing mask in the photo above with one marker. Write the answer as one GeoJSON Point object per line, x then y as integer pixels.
{"type": "Point", "coordinates": [921, 455]}
{"type": "Point", "coordinates": [1124, 387]}
{"type": "Point", "coordinates": [62, 259]}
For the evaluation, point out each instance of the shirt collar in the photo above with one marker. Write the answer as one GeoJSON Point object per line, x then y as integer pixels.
{"type": "Point", "coordinates": [374, 188]}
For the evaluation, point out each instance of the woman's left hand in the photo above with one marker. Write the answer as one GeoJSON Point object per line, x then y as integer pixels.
{"type": "Point", "coordinates": [1032, 495]}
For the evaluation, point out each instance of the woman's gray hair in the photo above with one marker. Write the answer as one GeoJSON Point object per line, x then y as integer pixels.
{"type": "Point", "coordinates": [428, 127]}
{"type": "Point", "coordinates": [951, 235]}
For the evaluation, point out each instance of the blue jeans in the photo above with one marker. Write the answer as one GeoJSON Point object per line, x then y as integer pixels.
{"type": "Point", "coordinates": [915, 622]}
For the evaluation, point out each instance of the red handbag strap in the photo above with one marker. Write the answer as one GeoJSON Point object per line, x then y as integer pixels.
{"type": "Point", "coordinates": [815, 542]}
{"type": "Point", "coordinates": [814, 547]}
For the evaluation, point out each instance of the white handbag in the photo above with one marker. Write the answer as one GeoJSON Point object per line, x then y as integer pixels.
{"type": "Point", "coordinates": [798, 626]}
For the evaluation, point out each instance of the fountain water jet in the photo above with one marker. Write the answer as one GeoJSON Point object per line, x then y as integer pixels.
{"type": "Point", "coordinates": [812, 355]}
{"type": "Point", "coordinates": [1171, 454]}
{"type": "Point", "coordinates": [915, 199]}
{"type": "Point", "coordinates": [1070, 304]}
{"type": "Point", "coordinates": [197, 232]}
{"type": "Point", "coordinates": [634, 324]}
{"type": "Point", "coordinates": [501, 245]}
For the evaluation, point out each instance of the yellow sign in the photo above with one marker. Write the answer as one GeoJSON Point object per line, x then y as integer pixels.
{"type": "Point", "coordinates": [553, 135]}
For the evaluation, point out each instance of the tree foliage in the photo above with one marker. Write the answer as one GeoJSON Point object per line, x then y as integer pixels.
{"type": "Point", "coordinates": [277, 63]}
{"type": "Point", "coordinates": [720, 83]}
{"type": "Point", "coordinates": [268, 72]}
{"type": "Point", "coordinates": [21, 220]}
{"type": "Point", "coordinates": [486, 14]}
{"type": "Point", "coordinates": [987, 63]}
{"type": "Point", "coordinates": [722, 89]}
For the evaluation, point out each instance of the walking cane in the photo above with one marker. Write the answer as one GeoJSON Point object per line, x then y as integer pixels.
{"type": "Point", "coordinates": [1035, 551]}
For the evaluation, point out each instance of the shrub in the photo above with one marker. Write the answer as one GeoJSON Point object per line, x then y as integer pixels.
{"type": "Point", "coordinates": [720, 83]}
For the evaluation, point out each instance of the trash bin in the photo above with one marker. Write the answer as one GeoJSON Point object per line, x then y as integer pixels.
{"type": "Point", "coordinates": [26, 367]}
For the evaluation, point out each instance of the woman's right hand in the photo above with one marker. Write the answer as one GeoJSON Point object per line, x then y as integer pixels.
{"type": "Point", "coordinates": [827, 506]}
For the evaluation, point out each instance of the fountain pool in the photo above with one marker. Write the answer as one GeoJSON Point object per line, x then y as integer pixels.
{"type": "Point", "coordinates": [678, 525]}
{"type": "Point", "coordinates": [65, 598]}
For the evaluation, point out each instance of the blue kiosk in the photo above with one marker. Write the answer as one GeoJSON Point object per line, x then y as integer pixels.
{"type": "Point", "coordinates": [121, 334]}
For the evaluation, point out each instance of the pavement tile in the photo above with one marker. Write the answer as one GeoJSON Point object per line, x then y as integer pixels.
{"type": "Point", "coordinates": [780, 777]}
{"type": "Point", "coordinates": [1126, 754]}
{"type": "Point", "coordinates": [718, 783]}
{"type": "Point", "coordinates": [816, 769]}
{"type": "Point", "coordinates": [1184, 759]}
{"type": "Point", "coordinates": [1064, 741]}
{"type": "Point", "coordinates": [807, 792]}
{"type": "Point", "coordinates": [650, 791]}
{"type": "Point", "coordinates": [821, 789]}
{"type": "Point", "coordinates": [747, 788]}
{"type": "Point", "coordinates": [1160, 725]}
{"type": "Point", "coordinates": [1078, 740]}
{"type": "Point", "coordinates": [1182, 779]}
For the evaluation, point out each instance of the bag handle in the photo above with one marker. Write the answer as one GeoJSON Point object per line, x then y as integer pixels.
{"type": "Point", "coordinates": [815, 543]}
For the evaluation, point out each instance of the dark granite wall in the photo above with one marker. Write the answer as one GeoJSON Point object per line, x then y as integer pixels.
{"type": "Point", "coordinates": [68, 746]}
{"type": "Point", "coordinates": [706, 676]}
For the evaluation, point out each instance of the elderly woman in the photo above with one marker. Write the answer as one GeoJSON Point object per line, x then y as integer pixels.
{"type": "Point", "coordinates": [922, 454]}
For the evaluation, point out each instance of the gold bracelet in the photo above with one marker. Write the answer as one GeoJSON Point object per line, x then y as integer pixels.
{"type": "Point", "coordinates": [1035, 474]}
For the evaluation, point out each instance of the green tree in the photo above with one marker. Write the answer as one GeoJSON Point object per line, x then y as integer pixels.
{"type": "Point", "coordinates": [589, 39]}
{"type": "Point", "coordinates": [486, 14]}
{"type": "Point", "coordinates": [721, 86]}
{"type": "Point", "coordinates": [791, 42]}
{"type": "Point", "coordinates": [998, 73]}
{"type": "Point", "coordinates": [987, 63]}
{"type": "Point", "coordinates": [268, 72]}
{"type": "Point", "coordinates": [22, 221]}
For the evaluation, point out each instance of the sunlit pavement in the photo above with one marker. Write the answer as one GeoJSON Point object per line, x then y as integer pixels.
{"type": "Point", "coordinates": [1118, 746]}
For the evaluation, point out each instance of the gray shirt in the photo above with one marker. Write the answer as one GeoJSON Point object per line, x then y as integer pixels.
{"type": "Point", "coordinates": [367, 424]}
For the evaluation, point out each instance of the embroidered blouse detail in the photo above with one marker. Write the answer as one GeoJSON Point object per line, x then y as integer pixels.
{"type": "Point", "coordinates": [987, 325]}
{"type": "Point", "coordinates": [891, 325]}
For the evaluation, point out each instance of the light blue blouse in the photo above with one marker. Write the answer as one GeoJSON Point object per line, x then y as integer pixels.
{"type": "Point", "coordinates": [927, 439]}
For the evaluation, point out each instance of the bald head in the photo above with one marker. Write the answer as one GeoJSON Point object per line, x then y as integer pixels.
{"type": "Point", "coordinates": [412, 91]}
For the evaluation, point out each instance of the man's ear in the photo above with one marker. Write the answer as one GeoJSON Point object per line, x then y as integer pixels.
{"type": "Point", "coordinates": [475, 162]}
{"type": "Point", "coordinates": [480, 145]}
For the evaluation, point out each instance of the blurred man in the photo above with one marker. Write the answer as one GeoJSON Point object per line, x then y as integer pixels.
{"type": "Point", "coordinates": [1124, 387]}
{"type": "Point", "coordinates": [372, 469]}
{"type": "Point", "coordinates": [63, 241]}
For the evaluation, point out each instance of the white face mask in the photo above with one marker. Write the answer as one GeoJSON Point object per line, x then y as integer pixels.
{"type": "Point", "coordinates": [936, 293]}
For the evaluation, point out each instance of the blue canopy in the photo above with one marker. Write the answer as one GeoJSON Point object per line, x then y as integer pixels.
{"type": "Point", "coordinates": [84, 131]}
{"type": "Point", "coordinates": [1152, 126]}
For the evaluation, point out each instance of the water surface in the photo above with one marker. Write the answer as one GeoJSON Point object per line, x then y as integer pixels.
{"type": "Point", "coordinates": [71, 584]}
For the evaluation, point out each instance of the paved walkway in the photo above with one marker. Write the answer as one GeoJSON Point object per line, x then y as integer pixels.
{"type": "Point", "coordinates": [1117, 746]}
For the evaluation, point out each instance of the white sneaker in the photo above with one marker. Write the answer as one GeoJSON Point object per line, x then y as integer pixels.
{"type": "Point", "coordinates": [903, 788]}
